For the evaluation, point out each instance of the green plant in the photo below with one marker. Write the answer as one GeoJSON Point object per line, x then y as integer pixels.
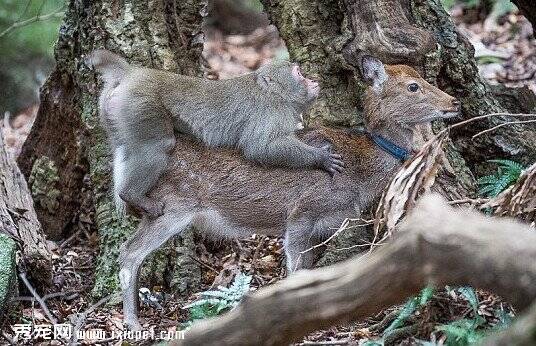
{"type": "Point", "coordinates": [470, 295]}
{"type": "Point", "coordinates": [213, 303]}
{"type": "Point", "coordinates": [463, 332]}
{"type": "Point", "coordinates": [469, 331]}
{"type": "Point", "coordinates": [407, 310]}
{"type": "Point", "coordinates": [507, 173]}
{"type": "Point", "coordinates": [448, 4]}
{"type": "Point", "coordinates": [28, 30]}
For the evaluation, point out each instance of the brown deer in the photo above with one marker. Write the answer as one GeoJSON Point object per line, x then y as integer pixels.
{"type": "Point", "coordinates": [221, 194]}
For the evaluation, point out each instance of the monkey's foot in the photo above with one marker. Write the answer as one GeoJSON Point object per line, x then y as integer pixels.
{"type": "Point", "coordinates": [331, 162]}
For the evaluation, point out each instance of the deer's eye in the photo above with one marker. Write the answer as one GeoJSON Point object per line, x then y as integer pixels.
{"type": "Point", "coordinates": [413, 87]}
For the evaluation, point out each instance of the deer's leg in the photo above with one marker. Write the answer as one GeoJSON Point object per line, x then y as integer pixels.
{"type": "Point", "coordinates": [149, 236]}
{"type": "Point", "coordinates": [313, 220]}
{"type": "Point", "coordinates": [298, 244]}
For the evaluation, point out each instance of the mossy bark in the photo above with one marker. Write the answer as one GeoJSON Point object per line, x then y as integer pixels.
{"type": "Point", "coordinates": [161, 34]}
{"type": "Point", "coordinates": [8, 271]}
{"type": "Point", "coordinates": [327, 38]}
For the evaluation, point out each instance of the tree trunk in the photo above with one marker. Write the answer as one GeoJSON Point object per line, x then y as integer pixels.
{"type": "Point", "coordinates": [67, 152]}
{"type": "Point", "coordinates": [328, 38]}
{"type": "Point", "coordinates": [8, 271]}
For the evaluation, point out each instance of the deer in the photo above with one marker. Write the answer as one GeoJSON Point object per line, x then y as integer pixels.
{"type": "Point", "coordinates": [222, 194]}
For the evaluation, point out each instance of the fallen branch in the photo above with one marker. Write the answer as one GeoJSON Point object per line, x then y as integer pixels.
{"type": "Point", "coordinates": [436, 244]}
{"type": "Point", "coordinates": [41, 302]}
{"type": "Point", "coordinates": [20, 231]}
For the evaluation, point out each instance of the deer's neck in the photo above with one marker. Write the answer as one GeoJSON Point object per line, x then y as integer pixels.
{"type": "Point", "coordinates": [395, 142]}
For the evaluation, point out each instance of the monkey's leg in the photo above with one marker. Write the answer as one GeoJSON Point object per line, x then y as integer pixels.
{"type": "Point", "coordinates": [149, 236]}
{"type": "Point", "coordinates": [142, 169]}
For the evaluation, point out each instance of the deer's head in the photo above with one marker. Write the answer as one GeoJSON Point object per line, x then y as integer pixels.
{"type": "Point", "coordinates": [399, 98]}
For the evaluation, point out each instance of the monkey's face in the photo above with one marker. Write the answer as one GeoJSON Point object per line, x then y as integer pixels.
{"type": "Point", "coordinates": [311, 86]}
{"type": "Point", "coordinates": [287, 81]}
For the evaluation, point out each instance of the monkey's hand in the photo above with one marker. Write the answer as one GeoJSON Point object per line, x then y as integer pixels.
{"type": "Point", "coordinates": [331, 162]}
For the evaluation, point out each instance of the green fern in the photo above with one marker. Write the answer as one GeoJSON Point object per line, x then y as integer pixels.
{"type": "Point", "coordinates": [407, 310]}
{"type": "Point", "coordinates": [469, 293]}
{"type": "Point", "coordinates": [213, 303]}
{"type": "Point", "coordinates": [463, 332]}
{"type": "Point", "coordinates": [507, 173]}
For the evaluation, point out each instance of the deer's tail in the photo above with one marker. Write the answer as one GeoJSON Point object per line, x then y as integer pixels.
{"type": "Point", "coordinates": [112, 67]}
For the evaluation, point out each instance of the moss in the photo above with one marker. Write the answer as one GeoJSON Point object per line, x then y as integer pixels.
{"type": "Point", "coordinates": [186, 273]}
{"type": "Point", "coordinates": [43, 182]}
{"type": "Point", "coordinates": [7, 269]}
{"type": "Point", "coordinates": [112, 233]}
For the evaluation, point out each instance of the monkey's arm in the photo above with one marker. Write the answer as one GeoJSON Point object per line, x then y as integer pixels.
{"type": "Point", "coordinates": [289, 151]}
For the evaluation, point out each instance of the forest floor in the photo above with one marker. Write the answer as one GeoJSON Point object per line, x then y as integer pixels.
{"type": "Point", "coordinates": [506, 50]}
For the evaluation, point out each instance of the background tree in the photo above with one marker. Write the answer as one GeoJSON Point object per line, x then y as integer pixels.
{"type": "Point", "coordinates": [66, 158]}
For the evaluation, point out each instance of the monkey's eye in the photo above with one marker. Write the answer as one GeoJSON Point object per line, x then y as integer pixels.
{"type": "Point", "coordinates": [413, 87]}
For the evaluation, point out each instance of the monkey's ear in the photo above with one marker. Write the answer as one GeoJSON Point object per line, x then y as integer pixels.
{"type": "Point", "coordinates": [373, 73]}
{"type": "Point", "coordinates": [264, 81]}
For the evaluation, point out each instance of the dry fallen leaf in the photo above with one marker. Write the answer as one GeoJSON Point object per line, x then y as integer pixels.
{"type": "Point", "coordinates": [415, 177]}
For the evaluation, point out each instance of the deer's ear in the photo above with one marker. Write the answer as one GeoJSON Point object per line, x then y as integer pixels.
{"type": "Point", "coordinates": [373, 73]}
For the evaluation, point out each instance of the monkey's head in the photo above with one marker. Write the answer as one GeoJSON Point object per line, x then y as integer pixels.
{"type": "Point", "coordinates": [285, 80]}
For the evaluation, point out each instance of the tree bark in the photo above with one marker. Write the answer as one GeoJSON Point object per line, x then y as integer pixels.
{"type": "Point", "coordinates": [66, 151]}
{"type": "Point", "coordinates": [436, 244]}
{"type": "Point", "coordinates": [18, 219]}
{"type": "Point", "coordinates": [8, 272]}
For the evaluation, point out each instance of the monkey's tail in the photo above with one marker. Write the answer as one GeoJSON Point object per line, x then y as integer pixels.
{"type": "Point", "coordinates": [110, 65]}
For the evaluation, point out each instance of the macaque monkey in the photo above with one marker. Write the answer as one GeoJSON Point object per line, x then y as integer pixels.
{"type": "Point", "coordinates": [257, 113]}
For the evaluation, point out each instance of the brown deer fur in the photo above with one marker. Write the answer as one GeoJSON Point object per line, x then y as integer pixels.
{"type": "Point", "coordinates": [222, 194]}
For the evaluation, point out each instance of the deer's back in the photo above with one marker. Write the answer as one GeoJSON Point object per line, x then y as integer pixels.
{"type": "Point", "coordinates": [230, 192]}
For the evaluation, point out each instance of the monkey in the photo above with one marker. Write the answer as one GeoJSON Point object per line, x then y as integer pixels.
{"type": "Point", "coordinates": [257, 113]}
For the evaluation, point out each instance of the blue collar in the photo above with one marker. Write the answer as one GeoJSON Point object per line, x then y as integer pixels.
{"type": "Point", "coordinates": [386, 145]}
